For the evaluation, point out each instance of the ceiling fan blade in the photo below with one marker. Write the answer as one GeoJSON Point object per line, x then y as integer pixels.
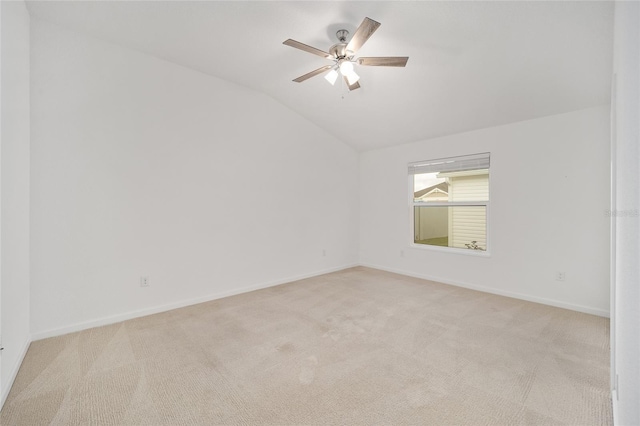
{"type": "Point", "coordinates": [353, 86]}
{"type": "Point", "coordinates": [362, 34]}
{"type": "Point", "coordinates": [313, 73]}
{"type": "Point", "coordinates": [386, 61]}
{"type": "Point", "coordinates": [307, 48]}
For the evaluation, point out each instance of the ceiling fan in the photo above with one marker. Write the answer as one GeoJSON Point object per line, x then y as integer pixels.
{"type": "Point", "coordinates": [343, 56]}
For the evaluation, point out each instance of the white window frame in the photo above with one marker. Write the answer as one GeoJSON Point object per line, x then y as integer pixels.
{"type": "Point", "coordinates": [456, 250]}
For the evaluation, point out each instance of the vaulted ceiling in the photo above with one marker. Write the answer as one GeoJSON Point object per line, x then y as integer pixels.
{"type": "Point", "coordinates": [472, 64]}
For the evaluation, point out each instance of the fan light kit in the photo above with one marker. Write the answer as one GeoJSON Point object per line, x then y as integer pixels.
{"type": "Point", "coordinates": [342, 54]}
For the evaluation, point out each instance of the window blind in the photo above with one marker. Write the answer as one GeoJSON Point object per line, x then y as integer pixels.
{"type": "Point", "coordinates": [451, 164]}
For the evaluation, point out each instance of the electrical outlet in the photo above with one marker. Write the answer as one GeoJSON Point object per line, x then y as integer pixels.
{"type": "Point", "coordinates": [560, 276]}
{"type": "Point", "coordinates": [324, 253]}
{"type": "Point", "coordinates": [144, 281]}
{"type": "Point", "coordinates": [401, 253]}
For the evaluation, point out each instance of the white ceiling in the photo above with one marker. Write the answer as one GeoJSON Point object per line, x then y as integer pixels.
{"type": "Point", "coordinates": [472, 64]}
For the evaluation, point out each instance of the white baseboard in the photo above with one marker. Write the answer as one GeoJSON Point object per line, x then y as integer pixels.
{"type": "Point", "coordinates": [550, 302]}
{"type": "Point", "coordinates": [175, 305]}
{"type": "Point", "coordinates": [14, 372]}
{"type": "Point", "coordinates": [180, 304]}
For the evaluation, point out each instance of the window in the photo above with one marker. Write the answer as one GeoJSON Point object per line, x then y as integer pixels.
{"type": "Point", "coordinates": [450, 202]}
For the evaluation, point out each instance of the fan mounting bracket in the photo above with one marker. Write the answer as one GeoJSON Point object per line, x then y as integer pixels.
{"type": "Point", "coordinates": [342, 35]}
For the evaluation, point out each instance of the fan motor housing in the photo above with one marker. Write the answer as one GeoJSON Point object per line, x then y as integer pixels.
{"type": "Point", "coordinates": [339, 51]}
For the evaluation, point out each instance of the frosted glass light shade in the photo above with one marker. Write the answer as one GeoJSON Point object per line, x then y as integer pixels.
{"type": "Point", "coordinates": [346, 68]}
{"type": "Point", "coordinates": [331, 77]}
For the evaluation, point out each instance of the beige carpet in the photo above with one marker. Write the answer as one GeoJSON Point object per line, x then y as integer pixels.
{"type": "Point", "coordinates": [358, 346]}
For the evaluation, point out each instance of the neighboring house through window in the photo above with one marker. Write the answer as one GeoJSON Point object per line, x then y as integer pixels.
{"type": "Point", "coordinates": [450, 202]}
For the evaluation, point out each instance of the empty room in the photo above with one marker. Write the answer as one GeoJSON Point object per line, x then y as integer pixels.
{"type": "Point", "coordinates": [317, 212]}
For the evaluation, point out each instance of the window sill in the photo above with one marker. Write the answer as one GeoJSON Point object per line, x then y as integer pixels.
{"type": "Point", "coordinates": [451, 250]}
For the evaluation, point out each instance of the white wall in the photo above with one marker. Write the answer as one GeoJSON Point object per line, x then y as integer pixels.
{"type": "Point", "coordinates": [626, 316]}
{"type": "Point", "coordinates": [144, 168]}
{"type": "Point", "coordinates": [14, 223]}
{"type": "Point", "coordinates": [549, 194]}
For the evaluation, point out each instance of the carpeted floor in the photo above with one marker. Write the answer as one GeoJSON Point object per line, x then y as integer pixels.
{"type": "Point", "coordinates": [358, 346]}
